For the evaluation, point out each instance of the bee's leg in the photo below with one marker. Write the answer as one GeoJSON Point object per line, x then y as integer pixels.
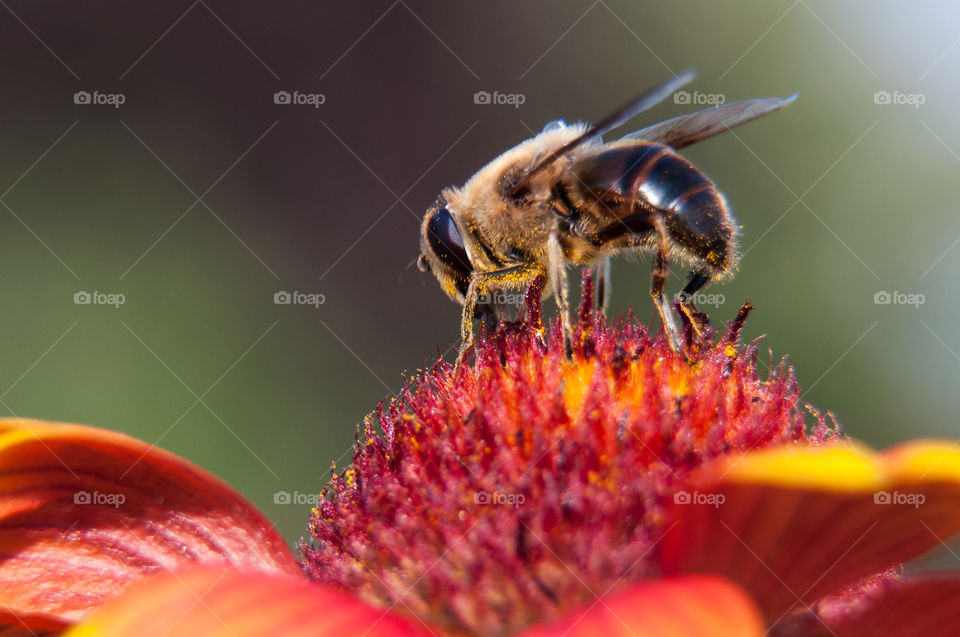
{"type": "Point", "coordinates": [697, 280]}
{"type": "Point", "coordinates": [489, 316]}
{"type": "Point", "coordinates": [515, 277]}
{"type": "Point", "coordinates": [603, 285]}
{"type": "Point", "coordinates": [558, 280]}
{"type": "Point", "coordinates": [661, 270]}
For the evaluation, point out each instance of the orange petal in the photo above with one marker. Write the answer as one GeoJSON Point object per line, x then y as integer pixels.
{"type": "Point", "coordinates": [693, 605]}
{"type": "Point", "coordinates": [84, 512]}
{"type": "Point", "coordinates": [793, 524]}
{"type": "Point", "coordinates": [205, 601]}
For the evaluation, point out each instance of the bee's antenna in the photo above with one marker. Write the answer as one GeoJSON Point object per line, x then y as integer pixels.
{"type": "Point", "coordinates": [403, 271]}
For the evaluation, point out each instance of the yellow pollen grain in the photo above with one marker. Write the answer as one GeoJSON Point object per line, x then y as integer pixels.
{"type": "Point", "coordinates": [730, 351]}
{"type": "Point", "coordinates": [679, 382]}
{"type": "Point", "coordinates": [604, 479]}
{"type": "Point", "coordinates": [629, 388]}
{"type": "Point", "coordinates": [351, 477]}
{"type": "Point", "coordinates": [576, 381]}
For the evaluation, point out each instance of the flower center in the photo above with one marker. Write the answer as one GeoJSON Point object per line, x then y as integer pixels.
{"type": "Point", "coordinates": [487, 497]}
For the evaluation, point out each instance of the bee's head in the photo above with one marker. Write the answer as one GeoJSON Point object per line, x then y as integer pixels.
{"type": "Point", "coordinates": [442, 251]}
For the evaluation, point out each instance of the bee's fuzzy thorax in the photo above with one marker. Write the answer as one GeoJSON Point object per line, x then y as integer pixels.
{"type": "Point", "coordinates": [494, 218]}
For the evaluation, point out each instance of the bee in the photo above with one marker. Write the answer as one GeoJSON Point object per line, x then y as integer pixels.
{"type": "Point", "coordinates": [565, 197]}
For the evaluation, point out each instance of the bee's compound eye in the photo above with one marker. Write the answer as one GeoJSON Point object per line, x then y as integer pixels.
{"type": "Point", "coordinates": [447, 244]}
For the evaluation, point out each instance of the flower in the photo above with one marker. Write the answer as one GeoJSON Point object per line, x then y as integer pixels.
{"type": "Point", "coordinates": [500, 494]}
{"type": "Point", "coordinates": [623, 489]}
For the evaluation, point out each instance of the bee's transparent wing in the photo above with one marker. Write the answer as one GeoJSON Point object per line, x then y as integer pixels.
{"type": "Point", "coordinates": [684, 130]}
{"type": "Point", "coordinates": [646, 100]}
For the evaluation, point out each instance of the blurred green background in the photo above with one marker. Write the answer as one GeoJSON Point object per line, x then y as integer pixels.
{"type": "Point", "coordinates": [841, 196]}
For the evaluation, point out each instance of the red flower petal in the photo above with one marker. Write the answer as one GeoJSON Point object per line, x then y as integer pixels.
{"type": "Point", "coordinates": [793, 524]}
{"type": "Point", "coordinates": [887, 606]}
{"type": "Point", "coordinates": [204, 601]}
{"type": "Point", "coordinates": [84, 512]}
{"type": "Point", "coordinates": [693, 605]}
{"type": "Point", "coordinates": [924, 606]}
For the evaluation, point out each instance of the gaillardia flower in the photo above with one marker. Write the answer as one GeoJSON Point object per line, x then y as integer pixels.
{"type": "Point", "coordinates": [620, 488]}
